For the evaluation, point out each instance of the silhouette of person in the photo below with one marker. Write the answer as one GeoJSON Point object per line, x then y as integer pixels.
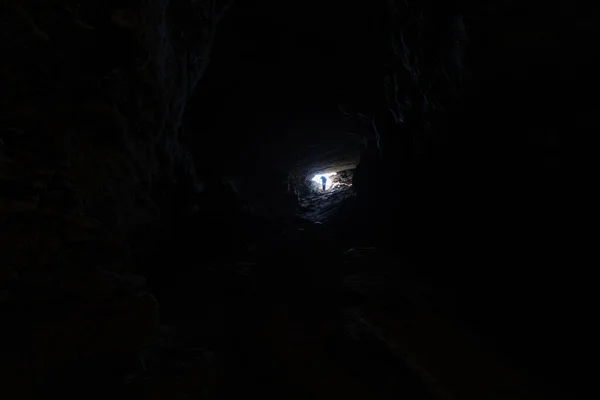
{"type": "Point", "coordinates": [324, 181]}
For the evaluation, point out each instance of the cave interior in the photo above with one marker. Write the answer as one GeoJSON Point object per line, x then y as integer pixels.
{"type": "Point", "coordinates": [164, 232]}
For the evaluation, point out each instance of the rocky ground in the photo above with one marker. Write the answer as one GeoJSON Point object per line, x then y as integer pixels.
{"type": "Point", "coordinates": [280, 315]}
{"type": "Point", "coordinates": [320, 206]}
{"type": "Point", "coordinates": [267, 308]}
{"type": "Point", "coordinates": [296, 312]}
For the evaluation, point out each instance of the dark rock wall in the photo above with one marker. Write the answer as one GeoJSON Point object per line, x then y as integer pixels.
{"type": "Point", "coordinates": [467, 158]}
{"type": "Point", "coordinates": [471, 89]}
{"type": "Point", "coordinates": [471, 121]}
{"type": "Point", "coordinates": [91, 106]}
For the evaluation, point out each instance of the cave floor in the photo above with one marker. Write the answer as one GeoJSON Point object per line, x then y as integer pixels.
{"type": "Point", "coordinates": [282, 310]}
{"type": "Point", "coordinates": [319, 206]}
{"type": "Point", "coordinates": [282, 317]}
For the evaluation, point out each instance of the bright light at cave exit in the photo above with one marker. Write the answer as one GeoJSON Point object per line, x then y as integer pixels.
{"type": "Point", "coordinates": [317, 178]}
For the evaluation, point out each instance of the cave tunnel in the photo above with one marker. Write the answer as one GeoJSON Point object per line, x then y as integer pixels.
{"type": "Point", "coordinates": [165, 231]}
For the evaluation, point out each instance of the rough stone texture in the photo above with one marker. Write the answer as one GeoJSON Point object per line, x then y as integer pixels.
{"type": "Point", "coordinates": [470, 121]}
{"type": "Point", "coordinates": [454, 68]}
{"type": "Point", "coordinates": [470, 136]}
{"type": "Point", "coordinates": [91, 106]}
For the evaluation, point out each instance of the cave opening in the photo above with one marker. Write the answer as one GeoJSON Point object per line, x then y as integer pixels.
{"type": "Point", "coordinates": [325, 180]}
{"type": "Point", "coordinates": [336, 180]}
{"type": "Point", "coordinates": [319, 200]}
